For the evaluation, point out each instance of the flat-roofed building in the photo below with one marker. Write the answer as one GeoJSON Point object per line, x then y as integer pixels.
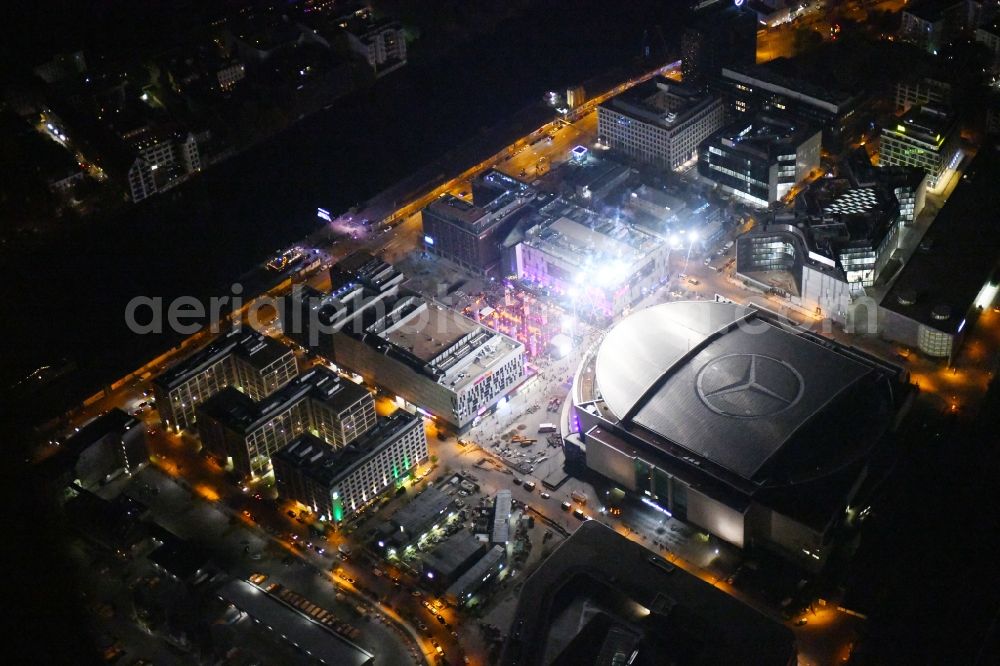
{"type": "Point", "coordinates": [659, 123]}
{"type": "Point", "coordinates": [918, 92]}
{"type": "Point", "coordinates": [425, 511]}
{"type": "Point", "coordinates": [470, 234]}
{"type": "Point", "coordinates": [925, 137]}
{"type": "Point", "coordinates": [290, 623]}
{"type": "Point", "coordinates": [94, 453]}
{"type": "Point", "coordinates": [603, 264]}
{"type": "Point", "coordinates": [760, 159]}
{"type": "Point", "coordinates": [954, 275]}
{"type": "Point", "coordinates": [478, 575]}
{"type": "Point", "coordinates": [501, 518]}
{"type": "Point", "coordinates": [247, 360]}
{"type": "Point", "coordinates": [337, 483]}
{"type": "Point", "coordinates": [233, 426]}
{"type": "Point", "coordinates": [751, 89]}
{"type": "Point", "coordinates": [451, 558]}
{"type": "Point", "coordinates": [436, 359]}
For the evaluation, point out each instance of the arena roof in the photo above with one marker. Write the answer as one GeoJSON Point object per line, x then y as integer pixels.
{"type": "Point", "coordinates": [728, 384]}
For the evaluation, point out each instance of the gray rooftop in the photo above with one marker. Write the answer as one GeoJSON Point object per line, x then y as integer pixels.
{"type": "Point", "coordinates": [422, 511]}
{"type": "Point", "coordinates": [597, 582]}
{"type": "Point", "coordinates": [474, 575]}
{"type": "Point", "coordinates": [501, 517]}
{"type": "Point", "coordinates": [319, 642]}
{"type": "Point", "coordinates": [964, 255]}
{"type": "Point", "coordinates": [729, 393]}
{"type": "Point", "coordinates": [451, 554]}
{"type": "Point", "coordinates": [329, 466]}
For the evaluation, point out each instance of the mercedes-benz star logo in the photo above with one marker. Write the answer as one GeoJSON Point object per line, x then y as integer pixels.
{"type": "Point", "coordinates": [749, 386]}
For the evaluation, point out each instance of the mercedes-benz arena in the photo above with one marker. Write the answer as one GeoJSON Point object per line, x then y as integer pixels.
{"type": "Point", "coordinates": [736, 421]}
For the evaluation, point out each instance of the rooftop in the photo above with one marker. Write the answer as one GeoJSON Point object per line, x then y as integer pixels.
{"type": "Point", "coordinates": [316, 640]}
{"type": "Point", "coordinates": [599, 589]}
{"type": "Point", "coordinates": [430, 332]}
{"type": "Point", "coordinates": [764, 135]}
{"type": "Point", "coordinates": [474, 575]}
{"type": "Point", "coordinates": [944, 282]}
{"type": "Point", "coordinates": [501, 517]}
{"type": "Point", "coordinates": [181, 559]}
{"type": "Point", "coordinates": [738, 394]}
{"type": "Point", "coordinates": [767, 77]}
{"type": "Point", "coordinates": [241, 414]}
{"type": "Point", "coordinates": [327, 465]}
{"type": "Point", "coordinates": [924, 123]}
{"type": "Point", "coordinates": [578, 235]}
{"type": "Point", "coordinates": [261, 351]}
{"type": "Point", "coordinates": [661, 102]}
{"type": "Point", "coordinates": [422, 511]}
{"type": "Point", "coordinates": [453, 553]}
{"type": "Point", "coordinates": [253, 347]}
{"type": "Point", "coordinates": [112, 422]}
{"type": "Point", "coordinates": [441, 343]}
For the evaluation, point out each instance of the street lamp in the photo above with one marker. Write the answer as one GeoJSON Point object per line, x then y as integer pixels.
{"type": "Point", "coordinates": [674, 242]}
{"type": "Point", "coordinates": [693, 235]}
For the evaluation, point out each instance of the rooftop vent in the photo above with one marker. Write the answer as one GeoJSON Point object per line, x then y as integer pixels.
{"type": "Point", "coordinates": [906, 297]}
{"type": "Point", "coordinates": [941, 312]}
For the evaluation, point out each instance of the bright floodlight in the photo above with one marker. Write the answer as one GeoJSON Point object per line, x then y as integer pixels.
{"type": "Point", "coordinates": [693, 235]}
{"type": "Point", "coordinates": [675, 240]}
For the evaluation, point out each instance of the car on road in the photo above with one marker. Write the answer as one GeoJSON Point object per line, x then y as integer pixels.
{"type": "Point", "coordinates": [566, 506]}
{"type": "Point", "coordinates": [579, 515]}
{"type": "Point", "coordinates": [441, 620]}
{"type": "Point", "coordinates": [529, 486]}
{"type": "Point", "coordinates": [545, 495]}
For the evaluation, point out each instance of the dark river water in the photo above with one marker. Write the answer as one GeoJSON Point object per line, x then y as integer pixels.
{"type": "Point", "coordinates": [67, 300]}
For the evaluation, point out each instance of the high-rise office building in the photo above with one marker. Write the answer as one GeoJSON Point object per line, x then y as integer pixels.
{"type": "Point", "coordinates": [720, 35]}
{"type": "Point", "coordinates": [761, 159]}
{"type": "Point", "coordinates": [659, 123]}
{"type": "Point", "coordinates": [925, 137]}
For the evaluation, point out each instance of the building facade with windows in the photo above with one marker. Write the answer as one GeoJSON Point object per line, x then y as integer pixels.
{"type": "Point", "coordinates": [920, 92]}
{"type": "Point", "coordinates": [933, 24]}
{"type": "Point", "coordinates": [433, 358]}
{"type": "Point", "coordinates": [336, 483]}
{"type": "Point", "coordinates": [246, 433]}
{"type": "Point", "coordinates": [382, 43]}
{"type": "Point", "coordinates": [720, 35]}
{"type": "Point", "coordinates": [925, 137]}
{"type": "Point", "coordinates": [761, 159]}
{"type": "Point", "coordinates": [159, 160]}
{"type": "Point", "coordinates": [253, 363]}
{"type": "Point", "coordinates": [751, 89]}
{"type": "Point", "coordinates": [659, 123]}
{"type": "Point", "coordinates": [470, 234]}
